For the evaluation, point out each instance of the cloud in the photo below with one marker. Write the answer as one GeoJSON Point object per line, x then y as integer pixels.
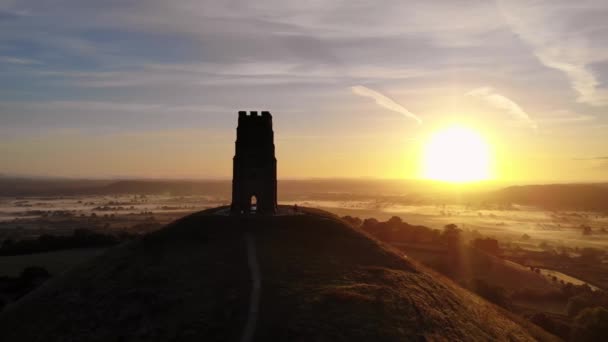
{"type": "Point", "coordinates": [596, 163]}
{"type": "Point", "coordinates": [570, 49]}
{"type": "Point", "coordinates": [15, 60]}
{"type": "Point", "coordinates": [105, 115]}
{"type": "Point", "coordinates": [384, 101]}
{"type": "Point", "coordinates": [206, 51]}
{"type": "Point", "coordinates": [564, 116]}
{"type": "Point", "coordinates": [592, 158]}
{"type": "Point", "coordinates": [502, 102]}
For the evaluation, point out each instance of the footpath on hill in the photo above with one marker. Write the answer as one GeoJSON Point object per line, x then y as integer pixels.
{"type": "Point", "coordinates": [318, 280]}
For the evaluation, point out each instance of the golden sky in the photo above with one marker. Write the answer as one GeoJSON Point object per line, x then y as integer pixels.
{"type": "Point", "coordinates": [152, 89]}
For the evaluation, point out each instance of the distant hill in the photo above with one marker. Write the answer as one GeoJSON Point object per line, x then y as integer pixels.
{"type": "Point", "coordinates": [556, 196]}
{"type": "Point", "coordinates": [166, 187]}
{"type": "Point", "coordinates": [401, 192]}
{"type": "Point", "coordinates": [319, 188]}
{"type": "Point", "coordinates": [15, 186]}
{"type": "Point", "coordinates": [321, 280]}
{"type": "Point", "coordinates": [61, 187]}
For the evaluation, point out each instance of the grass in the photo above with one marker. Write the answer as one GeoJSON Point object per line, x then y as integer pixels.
{"type": "Point", "coordinates": [321, 281]}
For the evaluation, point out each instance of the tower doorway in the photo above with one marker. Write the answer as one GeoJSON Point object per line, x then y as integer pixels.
{"type": "Point", "coordinates": [253, 203]}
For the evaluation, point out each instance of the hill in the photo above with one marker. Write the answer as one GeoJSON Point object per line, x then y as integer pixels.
{"type": "Point", "coordinates": [409, 190]}
{"type": "Point", "coordinates": [320, 281]}
{"type": "Point", "coordinates": [556, 196]}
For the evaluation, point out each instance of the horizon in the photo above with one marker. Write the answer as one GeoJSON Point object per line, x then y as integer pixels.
{"type": "Point", "coordinates": [361, 178]}
{"type": "Point", "coordinates": [442, 186]}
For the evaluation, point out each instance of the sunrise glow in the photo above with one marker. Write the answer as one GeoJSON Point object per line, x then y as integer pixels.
{"type": "Point", "coordinates": [456, 154]}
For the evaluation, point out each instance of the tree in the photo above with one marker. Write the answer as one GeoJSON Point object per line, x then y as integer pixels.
{"type": "Point", "coordinates": [395, 220]}
{"type": "Point", "coordinates": [591, 325]}
{"type": "Point", "coordinates": [577, 304]}
{"type": "Point", "coordinates": [487, 245]}
{"type": "Point", "coordinates": [353, 221]}
{"type": "Point", "coordinates": [554, 326]}
{"type": "Point", "coordinates": [451, 236]}
{"type": "Point", "coordinates": [450, 226]}
{"type": "Point", "coordinates": [370, 222]}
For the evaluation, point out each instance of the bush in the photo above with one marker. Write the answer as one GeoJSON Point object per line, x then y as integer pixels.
{"type": "Point", "coordinates": [578, 303]}
{"type": "Point", "coordinates": [353, 221]}
{"type": "Point", "coordinates": [494, 293]}
{"type": "Point", "coordinates": [487, 245]}
{"type": "Point", "coordinates": [452, 238]}
{"type": "Point", "coordinates": [370, 222]}
{"type": "Point", "coordinates": [395, 220]}
{"type": "Point", "coordinates": [395, 230]}
{"type": "Point", "coordinates": [538, 295]}
{"type": "Point", "coordinates": [552, 325]}
{"type": "Point", "coordinates": [32, 273]}
{"type": "Point", "coordinates": [591, 325]}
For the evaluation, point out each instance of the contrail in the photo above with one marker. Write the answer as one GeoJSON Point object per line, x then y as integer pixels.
{"type": "Point", "coordinates": [384, 101]}
{"type": "Point", "coordinates": [499, 101]}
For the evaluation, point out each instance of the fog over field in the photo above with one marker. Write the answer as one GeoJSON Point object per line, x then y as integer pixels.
{"type": "Point", "coordinates": [485, 208]}
{"type": "Point", "coordinates": [530, 249]}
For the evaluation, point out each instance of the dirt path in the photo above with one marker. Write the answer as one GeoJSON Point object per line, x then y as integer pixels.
{"type": "Point", "coordinates": [256, 287]}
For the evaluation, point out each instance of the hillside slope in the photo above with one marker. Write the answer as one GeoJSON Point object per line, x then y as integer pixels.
{"type": "Point", "coordinates": [321, 281]}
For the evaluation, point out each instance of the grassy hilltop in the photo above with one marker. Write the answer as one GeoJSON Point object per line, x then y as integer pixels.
{"type": "Point", "coordinates": [321, 281]}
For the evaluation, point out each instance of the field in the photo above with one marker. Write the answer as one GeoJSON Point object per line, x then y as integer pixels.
{"type": "Point", "coordinates": [527, 227]}
{"type": "Point", "coordinates": [542, 250]}
{"type": "Point", "coordinates": [553, 227]}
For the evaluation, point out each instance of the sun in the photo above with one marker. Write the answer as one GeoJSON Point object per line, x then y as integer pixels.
{"type": "Point", "coordinates": [456, 154]}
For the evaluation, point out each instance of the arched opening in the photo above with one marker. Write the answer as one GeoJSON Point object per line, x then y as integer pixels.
{"type": "Point", "coordinates": [254, 204]}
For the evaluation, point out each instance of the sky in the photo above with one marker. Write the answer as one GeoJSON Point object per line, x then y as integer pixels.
{"type": "Point", "coordinates": [124, 88]}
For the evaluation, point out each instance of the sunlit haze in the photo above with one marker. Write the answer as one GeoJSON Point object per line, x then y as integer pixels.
{"type": "Point", "coordinates": [151, 89]}
{"type": "Point", "coordinates": [456, 154]}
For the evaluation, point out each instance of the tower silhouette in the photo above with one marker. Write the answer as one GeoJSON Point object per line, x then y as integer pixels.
{"type": "Point", "coordinates": [254, 173]}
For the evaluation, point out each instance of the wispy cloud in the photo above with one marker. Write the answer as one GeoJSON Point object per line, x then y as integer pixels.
{"type": "Point", "coordinates": [104, 115]}
{"type": "Point", "coordinates": [109, 107]}
{"type": "Point", "coordinates": [594, 163]}
{"type": "Point", "coordinates": [564, 116]}
{"type": "Point", "coordinates": [559, 46]}
{"type": "Point", "coordinates": [502, 102]}
{"type": "Point", "coordinates": [384, 101]}
{"type": "Point", "coordinates": [592, 158]}
{"type": "Point", "coordinates": [16, 60]}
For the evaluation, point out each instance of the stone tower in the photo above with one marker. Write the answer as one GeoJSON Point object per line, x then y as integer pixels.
{"type": "Point", "coordinates": [254, 173]}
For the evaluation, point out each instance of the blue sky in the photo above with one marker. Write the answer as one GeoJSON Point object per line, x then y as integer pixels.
{"type": "Point", "coordinates": [145, 84]}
